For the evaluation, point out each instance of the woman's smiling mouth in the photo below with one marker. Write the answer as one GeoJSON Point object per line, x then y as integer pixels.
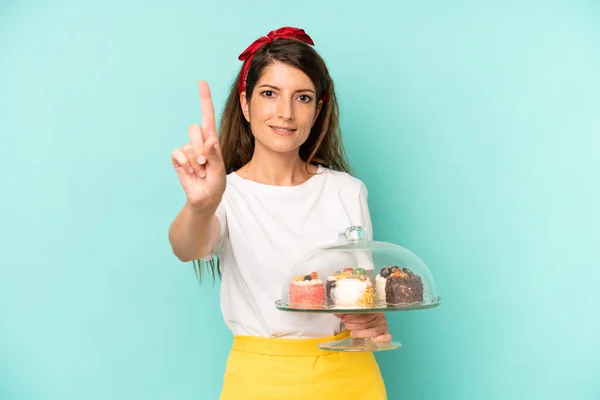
{"type": "Point", "coordinates": [282, 131]}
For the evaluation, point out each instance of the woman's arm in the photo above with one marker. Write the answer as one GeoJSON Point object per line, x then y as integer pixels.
{"type": "Point", "coordinates": [201, 171]}
{"type": "Point", "coordinates": [194, 233]}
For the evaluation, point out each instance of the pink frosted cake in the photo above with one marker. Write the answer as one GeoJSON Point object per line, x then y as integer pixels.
{"type": "Point", "coordinates": [307, 290]}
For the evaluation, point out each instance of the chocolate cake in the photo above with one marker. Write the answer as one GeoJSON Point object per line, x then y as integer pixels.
{"type": "Point", "coordinates": [403, 286]}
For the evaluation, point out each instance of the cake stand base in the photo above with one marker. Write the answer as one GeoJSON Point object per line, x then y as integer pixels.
{"type": "Point", "coordinates": [356, 345]}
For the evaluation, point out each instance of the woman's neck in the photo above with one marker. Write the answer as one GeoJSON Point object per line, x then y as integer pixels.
{"type": "Point", "coordinates": [277, 169]}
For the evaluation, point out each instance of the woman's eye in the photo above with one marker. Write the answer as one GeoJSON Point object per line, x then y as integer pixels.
{"type": "Point", "coordinates": [305, 98]}
{"type": "Point", "coordinates": [267, 93]}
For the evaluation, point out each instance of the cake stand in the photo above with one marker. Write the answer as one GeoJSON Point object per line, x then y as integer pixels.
{"type": "Point", "coordinates": [397, 278]}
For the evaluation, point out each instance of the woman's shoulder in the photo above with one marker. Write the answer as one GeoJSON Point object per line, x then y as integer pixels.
{"type": "Point", "coordinates": [344, 179]}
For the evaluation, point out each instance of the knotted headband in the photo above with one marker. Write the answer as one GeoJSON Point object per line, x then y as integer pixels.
{"type": "Point", "coordinates": [287, 32]}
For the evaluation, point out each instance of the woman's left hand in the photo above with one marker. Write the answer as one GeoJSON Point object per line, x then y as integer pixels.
{"type": "Point", "coordinates": [372, 325]}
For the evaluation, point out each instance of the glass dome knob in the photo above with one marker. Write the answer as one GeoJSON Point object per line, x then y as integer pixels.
{"type": "Point", "coordinates": [356, 234]}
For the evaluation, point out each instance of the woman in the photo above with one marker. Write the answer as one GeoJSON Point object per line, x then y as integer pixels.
{"type": "Point", "coordinates": [271, 186]}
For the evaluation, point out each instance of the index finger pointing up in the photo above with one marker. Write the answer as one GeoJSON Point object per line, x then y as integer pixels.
{"type": "Point", "coordinates": [208, 112]}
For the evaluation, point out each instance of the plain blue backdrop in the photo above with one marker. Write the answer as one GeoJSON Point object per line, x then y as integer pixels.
{"type": "Point", "coordinates": [475, 126]}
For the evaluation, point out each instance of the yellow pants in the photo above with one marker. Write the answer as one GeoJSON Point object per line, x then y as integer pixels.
{"type": "Point", "coordinates": [289, 369]}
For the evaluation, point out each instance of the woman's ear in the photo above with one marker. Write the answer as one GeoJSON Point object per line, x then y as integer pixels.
{"type": "Point", "coordinates": [319, 106]}
{"type": "Point", "coordinates": [245, 106]}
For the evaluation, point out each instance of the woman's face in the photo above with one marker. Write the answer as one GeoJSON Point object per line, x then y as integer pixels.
{"type": "Point", "coordinates": [282, 110]}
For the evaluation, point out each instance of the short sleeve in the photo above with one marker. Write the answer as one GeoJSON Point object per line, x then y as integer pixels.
{"type": "Point", "coordinates": [364, 259]}
{"type": "Point", "coordinates": [364, 210]}
{"type": "Point", "coordinates": [221, 215]}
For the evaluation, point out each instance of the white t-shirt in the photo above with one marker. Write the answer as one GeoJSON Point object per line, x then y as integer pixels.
{"type": "Point", "coordinates": [264, 230]}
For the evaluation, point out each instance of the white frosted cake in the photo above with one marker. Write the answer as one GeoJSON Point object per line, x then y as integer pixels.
{"type": "Point", "coordinates": [380, 282]}
{"type": "Point", "coordinates": [352, 288]}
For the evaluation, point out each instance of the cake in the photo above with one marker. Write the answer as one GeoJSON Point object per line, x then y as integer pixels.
{"type": "Point", "coordinates": [352, 288]}
{"type": "Point", "coordinates": [331, 280]}
{"type": "Point", "coordinates": [307, 290]}
{"type": "Point", "coordinates": [380, 282]}
{"type": "Point", "coordinates": [394, 285]}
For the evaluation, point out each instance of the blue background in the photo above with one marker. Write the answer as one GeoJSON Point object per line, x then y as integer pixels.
{"type": "Point", "coordinates": [475, 125]}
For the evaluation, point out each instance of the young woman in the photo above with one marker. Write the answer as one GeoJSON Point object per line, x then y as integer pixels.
{"type": "Point", "coordinates": [271, 186]}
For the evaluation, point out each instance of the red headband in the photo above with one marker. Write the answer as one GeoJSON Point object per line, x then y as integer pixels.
{"type": "Point", "coordinates": [286, 32]}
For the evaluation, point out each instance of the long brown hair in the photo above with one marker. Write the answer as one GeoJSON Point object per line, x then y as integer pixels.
{"type": "Point", "coordinates": [324, 144]}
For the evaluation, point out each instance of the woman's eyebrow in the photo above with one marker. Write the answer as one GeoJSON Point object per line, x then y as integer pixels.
{"type": "Point", "coordinates": [265, 85]}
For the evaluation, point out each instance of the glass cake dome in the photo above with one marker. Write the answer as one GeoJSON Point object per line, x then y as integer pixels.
{"type": "Point", "coordinates": [357, 275]}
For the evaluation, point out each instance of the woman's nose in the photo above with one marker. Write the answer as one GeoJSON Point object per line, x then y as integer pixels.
{"type": "Point", "coordinates": [285, 108]}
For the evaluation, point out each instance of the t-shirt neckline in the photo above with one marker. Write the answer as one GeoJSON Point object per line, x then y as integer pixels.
{"type": "Point", "coordinates": [280, 189]}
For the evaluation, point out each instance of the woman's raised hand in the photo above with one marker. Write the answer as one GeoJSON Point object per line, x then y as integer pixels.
{"type": "Point", "coordinates": [199, 163]}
